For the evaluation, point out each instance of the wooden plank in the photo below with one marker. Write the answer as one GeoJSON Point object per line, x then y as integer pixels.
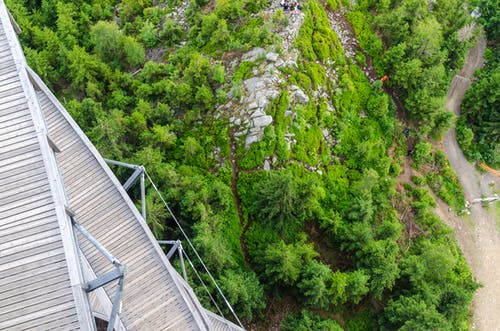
{"type": "Point", "coordinates": [14, 119]}
{"type": "Point", "coordinates": [25, 304]}
{"type": "Point", "coordinates": [55, 245]}
{"type": "Point", "coordinates": [9, 90]}
{"type": "Point", "coordinates": [13, 157]}
{"type": "Point", "coordinates": [39, 229]}
{"type": "Point", "coordinates": [69, 158]}
{"type": "Point", "coordinates": [103, 229]}
{"type": "Point", "coordinates": [33, 220]}
{"type": "Point", "coordinates": [34, 317]}
{"type": "Point", "coordinates": [55, 298]}
{"type": "Point", "coordinates": [153, 313]}
{"type": "Point", "coordinates": [114, 240]}
{"type": "Point", "coordinates": [8, 80]}
{"type": "Point", "coordinates": [36, 285]}
{"type": "Point", "coordinates": [64, 323]}
{"type": "Point", "coordinates": [17, 123]}
{"type": "Point", "coordinates": [27, 172]}
{"type": "Point", "coordinates": [94, 188]}
{"type": "Point", "coordinates": [12, 97]}
{"type": "Point", "coordinates": [8, 77]}
{"type": "Point", "coordinates": [30, 259]}
{"type": "Point", "coordinates": [21, 244]}
{"type": "Point", "coordinates": [19, 142]}
{"type": "Point", "coordinates": [9, 68]}
{"type": "Point", "coordinates": [26, 276]}
{"type": "Point", "coordinates": [18, 185]}
{"type": "Point", "coordinates": [32, 204]}
{"type": "Point", "coordinates": [32, 215]}
{"type": "Point", "coordinates": [20, 108]}
{"type": "Point", "coordinates": [84, 179]}
{"type": "Point", "coordinates": [21, 168]}
{"type": "Point", "coordinates": [21, 196]}
{"type": "Point", "coordinates": [18, 133]}
{"type": "Point", "coordinates": [113, 204]}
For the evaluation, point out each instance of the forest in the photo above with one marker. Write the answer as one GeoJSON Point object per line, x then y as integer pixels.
{"type": "Point", "coordinates": [478, 130]}
{"type": "Point", "coordinates": [310, 226]}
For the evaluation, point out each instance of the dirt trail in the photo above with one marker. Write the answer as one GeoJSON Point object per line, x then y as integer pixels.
{"type": "Point", "coordinates": [479, 242]}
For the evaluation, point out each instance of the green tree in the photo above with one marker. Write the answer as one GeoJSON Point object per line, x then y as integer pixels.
{"type": "Point", "coordinates": [243, 291]}
{"type": "Point", "coordinates": [315, 279]}
{"type": "Point", "coordinates": [285, 202]}
{"type": "Point", "coordinates": [307, 321]}
{"type": "Point", "coordinates": [282, 263]}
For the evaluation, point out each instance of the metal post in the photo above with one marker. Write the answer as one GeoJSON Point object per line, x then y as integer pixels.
{"type": "Point", "coordinates": [182, 262]}
{"type": "Point", "coordinates": [116, 304]}
{"type": "Point", "coordinates": [143, 196]}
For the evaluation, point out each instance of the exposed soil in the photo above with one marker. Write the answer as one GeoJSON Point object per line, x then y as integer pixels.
{"type": "Point", "coordinates": [479, 241]}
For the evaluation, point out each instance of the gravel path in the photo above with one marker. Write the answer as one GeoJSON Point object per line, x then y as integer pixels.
{"type": "Point", "coordinates": [479, 242]}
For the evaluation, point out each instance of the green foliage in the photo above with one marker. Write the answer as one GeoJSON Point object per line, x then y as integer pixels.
{"type": "Point", "coordinates": [314, 284]}
{"type": "Point", "coordinates": [284, 202]}
{"type": "Point", "coordinates": [421, 48]}
{"type": "Point", "coordinates": [490, 18]}
{"type": "Point", "coordinates": [316, 40]}
{"type": "Point", "coordinates": [305, 321]}
{"type": "Point", "coordinates": [423, 154]}
{"type": "Point", "coordinates": [481, 110]}
{"type": "Point", "coordinates": [368, 41]}
{"type": "Point", "coordinates": [282, 263]}
{"type": "Point", "coordinates": [320, 227]}
{"type": "Point", "coordinates": [243, 292]}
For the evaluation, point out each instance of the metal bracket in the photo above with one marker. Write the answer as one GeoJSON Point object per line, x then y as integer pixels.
{"type": "Point", "coordinates": [139, 172]}
{"type": "Point", "coordinates": [118, 273]}
{"type": "Point", "coordinates": [176, 246]}
{"type": "Point", "coordinates": [104, 279]}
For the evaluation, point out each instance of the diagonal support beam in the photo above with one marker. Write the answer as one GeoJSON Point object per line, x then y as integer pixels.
{"type": "Point", "coordinates": [131, 180]}
{"type": "Point", "coordinates": [139, 172]}
{"type": "Point", "coordinates": [96, 244]}
{"type": "Point", "coordinates": [116, 304]}
{"type": "Point", "coordinates": [104, 279]}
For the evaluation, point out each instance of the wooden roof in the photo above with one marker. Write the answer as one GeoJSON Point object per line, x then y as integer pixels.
{"type": "Point", "coordinates": [42, 264]}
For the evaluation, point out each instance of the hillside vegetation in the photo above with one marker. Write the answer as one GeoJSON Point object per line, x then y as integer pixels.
{"type": "Point", "coordinates": [305, 227]}
{"type": "Point", "coordinates": [478, 130]}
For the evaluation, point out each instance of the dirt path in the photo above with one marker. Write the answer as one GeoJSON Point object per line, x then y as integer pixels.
{"type": "Point", "coordinates": [479, 242]}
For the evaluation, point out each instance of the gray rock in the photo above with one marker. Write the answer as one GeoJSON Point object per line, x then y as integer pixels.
{"type": "Point", "coordinates": [272, 57]}
{"type": "Point", "coordinates": [253, 84]}
{"type": "Point", "coordinates": [263, 101]}
{"type": "Point", "coordinates": [258, 113]}
{"type": "Point", "coordinates": [253, 105]}
{"type": "Point", "coordinates": [301, 97]}
{"type": "Point", "coordinates": [254, 54]}
{"type": "Point", "coordinates": [252, 138]}
{"type": "Point", "coordinates": [272, 94]}
{"type": "Point", "coordinates": [262, 121]}
{"type": "Point", "coordinates": [280, 63]}
{"type": "Point", "coordinates": [267, 165]}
